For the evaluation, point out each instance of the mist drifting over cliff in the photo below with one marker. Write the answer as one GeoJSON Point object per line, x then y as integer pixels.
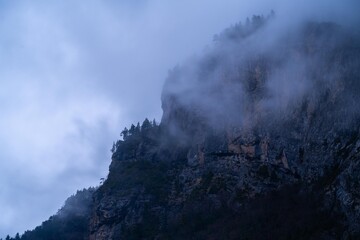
{"type": "Point", "coordinates": [259, 71]}
{"type": "Point", "coordinates": [92, 68]}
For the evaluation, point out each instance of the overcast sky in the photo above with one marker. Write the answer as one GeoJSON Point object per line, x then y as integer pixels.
{"type": "Point", "coordinates": [73, 74]}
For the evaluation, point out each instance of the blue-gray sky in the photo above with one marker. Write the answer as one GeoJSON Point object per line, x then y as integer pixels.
{"type": "Point", "coordinates": [73, 74]}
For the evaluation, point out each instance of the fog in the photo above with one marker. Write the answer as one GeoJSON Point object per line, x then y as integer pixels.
{"type": "Point", "coordinates": [263, 70]}
{"type": "Point", "coordinates": [73, 74]}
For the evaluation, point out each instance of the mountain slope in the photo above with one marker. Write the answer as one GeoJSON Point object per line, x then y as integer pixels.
{"type": "Point", "coordinates": [256, 141]}
{"type": "Point", "coordinates": [259, 139]}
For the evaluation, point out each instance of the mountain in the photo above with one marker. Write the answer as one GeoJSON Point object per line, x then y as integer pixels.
{"type": "Point", "coordinates": [259, 139]}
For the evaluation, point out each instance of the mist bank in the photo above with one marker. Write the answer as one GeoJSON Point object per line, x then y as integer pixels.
{"type": "Point", "coordinates": [259, 74]}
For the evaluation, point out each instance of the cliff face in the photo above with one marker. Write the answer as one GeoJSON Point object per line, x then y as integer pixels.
{"type": "Point", "coordinates": [258, 140]}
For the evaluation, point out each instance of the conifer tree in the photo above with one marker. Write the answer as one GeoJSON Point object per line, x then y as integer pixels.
{"type": "Point", "coordinates": [137, 128]}
{"type": "Point", "coordinates": [125, 133]}
{"type": "Point", "coordinates": [17, 236]}
{"type": "Point", "coordinates": [154, 124]}
{"type": "Point", "coordinates": [145, 125]}
{"type": "Point", "coordinates": [132, 129]}
{"type": "Point", "coordinates": [113, 149]}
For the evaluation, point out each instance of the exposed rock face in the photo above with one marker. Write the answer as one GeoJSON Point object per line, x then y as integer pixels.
{"type": "Point", "coordinates": [251, 139]}
{"type": "Point", "coordinates": [258, 140]}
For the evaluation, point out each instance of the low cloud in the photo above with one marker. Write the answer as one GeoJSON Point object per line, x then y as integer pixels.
{"type": "Point", "coordinates": [74, 73]}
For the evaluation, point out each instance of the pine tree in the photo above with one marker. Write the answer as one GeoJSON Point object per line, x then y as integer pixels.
{"type": "Point", "coordinates": [113, 149]}
{"type": "Point", "coordinates": [125, 133]}
{"type": "Point", "coordinates": [132, 129]}
{"type": "Point", "coordinates": [137, 128]}
{"type": "Point", "coordinates": [154, 124]}
{"type": "Point", "coordinates": [17, 236]}
{"type": "Point", "coordinates": [146, 125]}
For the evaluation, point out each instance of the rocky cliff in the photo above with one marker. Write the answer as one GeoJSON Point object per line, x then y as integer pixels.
{"type": "Point", "coordinates": [260, 139]}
